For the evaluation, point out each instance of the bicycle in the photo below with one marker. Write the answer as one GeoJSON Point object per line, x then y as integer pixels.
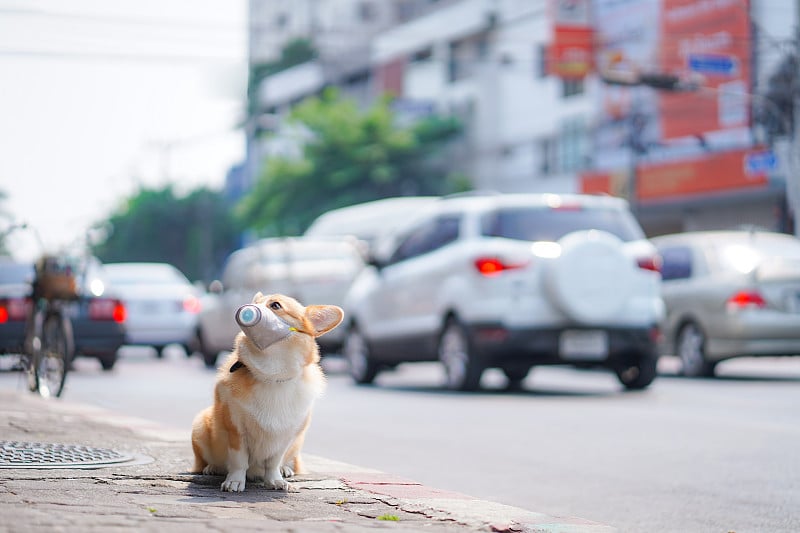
{"type": "Point", "coordinates": [49, 342]}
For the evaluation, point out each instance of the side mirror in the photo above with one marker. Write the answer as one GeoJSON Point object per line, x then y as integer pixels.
{"type": "Point", "coordinates": [215, 287]}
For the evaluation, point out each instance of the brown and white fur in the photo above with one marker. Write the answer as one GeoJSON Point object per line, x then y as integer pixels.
{"type": "Point", "coordinates": [263, 401]}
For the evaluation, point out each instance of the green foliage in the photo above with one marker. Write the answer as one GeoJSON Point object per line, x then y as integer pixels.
{"type": "Point", "coordinates": [351, 156]}
{"type": "Point", "coordinates": [195, 233]}
{"type": "Point", "coordinates": [389, 517]}
{"type": "Point", "coordinates": [296, 52]}
{"type": "Point", "coordinates": [4, 215]}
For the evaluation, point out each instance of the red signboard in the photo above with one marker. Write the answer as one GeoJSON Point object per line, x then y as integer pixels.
{"type": "Point", "coordinates": [722, 171]}
{"type": "Point", "coordinates": [571, 53]}
{"type": "Point", "coordinates": [708, 38]}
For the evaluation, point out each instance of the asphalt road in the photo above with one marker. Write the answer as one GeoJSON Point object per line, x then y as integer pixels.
{"type": "Point", "coordinates": [685, 456]}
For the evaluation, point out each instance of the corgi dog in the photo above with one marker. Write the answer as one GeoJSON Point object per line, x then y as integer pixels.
{"type": "Point", "coordinates": [264, 394]}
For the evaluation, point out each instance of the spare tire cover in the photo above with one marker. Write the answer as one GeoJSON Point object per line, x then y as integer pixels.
{"type": "Point", "coordinates": [591, 280]}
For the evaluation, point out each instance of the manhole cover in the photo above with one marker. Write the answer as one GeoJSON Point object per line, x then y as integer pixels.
{"type": "Point", "coordinates": [16, 454]}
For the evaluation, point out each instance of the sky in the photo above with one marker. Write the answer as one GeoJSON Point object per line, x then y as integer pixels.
{"type": "Point", "coordinates": [99, 98]}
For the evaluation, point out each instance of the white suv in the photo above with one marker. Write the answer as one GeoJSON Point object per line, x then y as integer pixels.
{"type": "Point", "coordinates": [510, 281]}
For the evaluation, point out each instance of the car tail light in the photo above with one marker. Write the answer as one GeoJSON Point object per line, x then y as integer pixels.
{"type": "Point", "coordinates": [493, 266]}
{"type": "Point", "coordinates": [120, 313]}
{"type": "Point", "coordinates": [652, 262]}
{"type": "Point", "coordinates": [106, 309]}
{"type": "Point", "coordinates": [746, 300]}
{"type": "Point", "coordinates": [14, 310]}
{"type": "Point", "coordinates": [191, 304]}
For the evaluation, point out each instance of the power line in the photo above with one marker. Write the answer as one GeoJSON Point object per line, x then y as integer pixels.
{"type": "Point", "coordinates": [116, 57]}
{"type": "Point", "coordinates": [198, 25]}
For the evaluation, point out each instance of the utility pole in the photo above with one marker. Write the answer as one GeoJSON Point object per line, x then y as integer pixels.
{"type": "Point", "coordinates": [793, 177]}
{"type": "Point", "coordinates": [636, 120]}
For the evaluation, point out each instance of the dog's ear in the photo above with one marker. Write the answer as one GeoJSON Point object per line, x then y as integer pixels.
{"type": "Point", "coordinates": [324, 317]}
{"type": "Point", "coordinates": [258, 297]}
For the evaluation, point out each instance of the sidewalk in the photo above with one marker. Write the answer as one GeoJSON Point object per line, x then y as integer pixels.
{"type": "Point", "coordinates": [105, 472]}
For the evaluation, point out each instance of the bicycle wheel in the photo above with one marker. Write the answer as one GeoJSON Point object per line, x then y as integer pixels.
{"type": "Point", "coordinates": [33, 345]}
{"type": "Point", "coordinates": [53, 359]}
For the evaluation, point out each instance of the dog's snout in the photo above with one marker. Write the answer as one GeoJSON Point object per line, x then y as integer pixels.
{"type": "Point", "coordinates": [248, 315]}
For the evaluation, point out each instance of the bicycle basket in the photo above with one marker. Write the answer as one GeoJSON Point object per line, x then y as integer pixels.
{"type": "Point", "coordinates": [55, 278]}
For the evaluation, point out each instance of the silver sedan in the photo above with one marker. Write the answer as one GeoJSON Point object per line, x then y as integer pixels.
{"type": "Point", "coordinates": [729, 294]}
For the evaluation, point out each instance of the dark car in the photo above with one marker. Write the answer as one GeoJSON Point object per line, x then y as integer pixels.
{"type": "Point", "coordinates": [15, 280]}
{"type": "Point", "coordinates": [98, 317]}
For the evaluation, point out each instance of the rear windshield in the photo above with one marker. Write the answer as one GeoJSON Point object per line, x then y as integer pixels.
{"type": "Point", "coordinates": [748, 254]}
{"type": "Point", "coordinates": [550, 224]}
{"type": "Point", "coordinates": [152, 274]}
{"type": "Point", "coordinates": [13, 273]}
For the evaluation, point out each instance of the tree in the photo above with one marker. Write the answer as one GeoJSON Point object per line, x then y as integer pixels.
{"type": "Point", "coordinates": [195, 233]}
{"type": "Point", "coordinates": [351, 156]}
{"type": "Point", "coordinates": [296, 52]}
{"type": "Point", "coordinates": [4, 215]}
{"type": "Point", "coordinates": [778, 117]}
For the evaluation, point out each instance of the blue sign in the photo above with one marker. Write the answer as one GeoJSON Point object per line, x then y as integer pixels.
{"type": "Point", "coordinates": [713, 64]}
{"type": "Point", "coordinates": [760, 162]}
{"type": "Point", "coordinates": [414, 108]}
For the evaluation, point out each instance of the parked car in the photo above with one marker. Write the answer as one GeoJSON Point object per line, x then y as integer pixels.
{"type": "Point", "coordinates": [98, 318]}
{"type": "Point", "coordinates": [162, 304]}
{"type": "Point", "coordinates": [312, 270]}
{"type": "Point", "coordinates": [729, 294]}
{"type": "Point", "coordinates": [15, 289]}
{"type": "Point", "coordinates": [368, 221]}
{"type": "Point", "coordinates": [510, 281]}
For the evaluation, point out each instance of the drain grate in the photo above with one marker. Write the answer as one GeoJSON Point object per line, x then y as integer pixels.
{"type": "Point", "coordinates": [17, 454]}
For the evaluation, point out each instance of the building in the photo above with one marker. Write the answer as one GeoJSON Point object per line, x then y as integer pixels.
{"type": "Point", "coordinates": [536, 83]}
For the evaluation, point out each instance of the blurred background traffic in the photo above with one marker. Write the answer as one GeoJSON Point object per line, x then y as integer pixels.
{"type": "Point", "coordinates": [348, 102]}
{"type": "Point", "coordinates": [487, 187]}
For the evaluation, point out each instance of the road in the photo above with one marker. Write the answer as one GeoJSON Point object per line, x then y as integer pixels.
{"type": "Point", "coordinates": [685, 456]}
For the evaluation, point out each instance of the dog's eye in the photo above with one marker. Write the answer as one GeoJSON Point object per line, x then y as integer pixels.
{"type": "Point", "coordinates": [275, 306]}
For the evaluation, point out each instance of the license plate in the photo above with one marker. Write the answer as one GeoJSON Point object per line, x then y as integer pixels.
{"type": "Point", "coordinates": [583, 345]}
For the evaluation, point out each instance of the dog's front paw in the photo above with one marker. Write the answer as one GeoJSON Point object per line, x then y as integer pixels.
{"type": "Point", "coordinates": [233, 484]}
{"type": "Point", "coordinates": [287, 471]}
{"type": "Point", "coordinates": [278, 484]}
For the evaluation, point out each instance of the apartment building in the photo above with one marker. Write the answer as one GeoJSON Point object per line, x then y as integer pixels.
{"type": "Point", "coordinates": [699, 157]}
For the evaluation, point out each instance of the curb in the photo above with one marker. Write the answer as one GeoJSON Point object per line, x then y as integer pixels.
{"type": "Point", "coordinates": [356, 485]}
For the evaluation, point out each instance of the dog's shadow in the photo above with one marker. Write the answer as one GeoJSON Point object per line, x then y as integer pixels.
{"type": "Point", "coordinates": [204, 488]}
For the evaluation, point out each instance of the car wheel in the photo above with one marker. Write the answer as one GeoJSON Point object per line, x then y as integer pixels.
{"type": "Point", "coordinates": [159, 351]}
{"type": "Point", "coordinates": [690, 346]}
{"type": "Point", "coordinates": [462, 370]}
{"type": "Point", "coordinates": [107, 361]}
{"type": "Point", "coordinates": [515, 377]}
{"type": "Point", "coordinates": [637, 373]}
{"type": "Point", "coordinates": [209, 355]}
{"type": "Point", "coordinates": [362, 366]}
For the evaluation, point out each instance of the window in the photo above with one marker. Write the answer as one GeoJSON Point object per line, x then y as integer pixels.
{"type": "Point", "coordinates": [422, 55]}
{"type": "Point", "coordinates": [571, 87]}
{"type": "Point", "coordinates": [540, 61]}
{"type": "Point", "coordinates": [676, 262]}
{"type": "Point", "coordinates": [547, 150]}
{"type": "Point", "coordinates": [573, 146]}
{"type": "Point", "coordinates": [367, 11]}
{"type": "Point", "coordinates": [465, 54]}
{"type": "Point", "coordinates": [430, 236]}
{"type": "Point", "coordinates": [550, 224]}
